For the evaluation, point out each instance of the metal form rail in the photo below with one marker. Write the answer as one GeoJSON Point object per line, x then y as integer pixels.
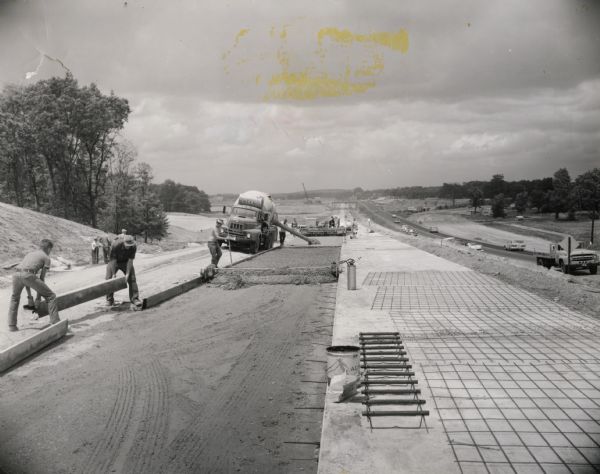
{"type": "Point", "coordinates": [383, 361]}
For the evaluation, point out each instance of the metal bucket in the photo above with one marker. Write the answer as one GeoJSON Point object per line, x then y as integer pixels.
{"type": "Point", "coordinates": [343, 359]}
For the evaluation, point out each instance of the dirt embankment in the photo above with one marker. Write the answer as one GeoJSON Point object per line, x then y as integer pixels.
{"type": "Point", "coordinates": [580, 292]}
{"type": "Point", "coordinates": [22, 229]}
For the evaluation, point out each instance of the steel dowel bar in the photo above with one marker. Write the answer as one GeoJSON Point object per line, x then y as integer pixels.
{"type": "Point", "coordinates": [390, 382]}
{"type": "Point", "coordinates": [383, 366]}
{"type": "Point", "coordinates": [375, 334]}
{"type": "Point", "coordinates": [390, 352]}
{"type": "Point", "coordinates": [369, 338]}
{"type": "Point", "coordinates": [367, 344]}
{"type": "Point", "coordinates": [397, 373]}
{"type": "Point", "coordinates": [370, 360]}
{"type": "Point", "coordinates": [396, 413]}
{"type": "Point", "coordinates": [387, 373]}
{"type": "Point", "coordinates": [384, 359]}
{"type": "Point", "coordinates": [399, 401]}
{"type": "Point", "coordinates": [382, 347]}
{"type": "Point", "coordinates": [391, 391]}
{"type": "Point", "coordinates": [388, 366]}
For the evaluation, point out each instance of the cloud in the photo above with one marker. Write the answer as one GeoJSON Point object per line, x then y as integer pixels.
{"type": "Point", "coordinates": [482, 87]}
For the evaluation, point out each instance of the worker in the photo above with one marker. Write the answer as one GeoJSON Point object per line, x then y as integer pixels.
{"type": "Point", "coordinates": [282, 233]}
{"type": "Point", "coordinates": [213, 243]}
{"type": "Point", "coordinates": [332, 222]}
{"type": "Point", "coordinates": [122, 254]}
{"type": "Point", "coordinates": [26, 277]}
{"type": "Point", "coordinates": [294, 223]}
{"type": "Point", "coordinates": [122, 234]}
{"type": "Point", "coordinates": [105, 242]}
{"type": "Point", "coordinates": [95, 250]}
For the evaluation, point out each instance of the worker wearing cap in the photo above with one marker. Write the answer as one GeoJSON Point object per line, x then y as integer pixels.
{"type": "Point", "coordinates": [122, 253]}
{"type": "Point", "coordinates": [26, 277]}
{"type": "Point", "coordinates": [213, 243]}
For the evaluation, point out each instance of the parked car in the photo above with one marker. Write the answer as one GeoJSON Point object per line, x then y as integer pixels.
{"type": "Point", "coordinates": [473, 246]}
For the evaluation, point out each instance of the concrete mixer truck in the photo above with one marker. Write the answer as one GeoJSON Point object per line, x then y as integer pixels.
{"type": "Point", "coordinates": [252, 224]}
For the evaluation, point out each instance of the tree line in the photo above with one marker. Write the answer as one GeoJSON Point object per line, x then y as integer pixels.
{"type": "Point", "coordinates": [557, 194]}
{"type": "Point", "coordinates": [61, 153]}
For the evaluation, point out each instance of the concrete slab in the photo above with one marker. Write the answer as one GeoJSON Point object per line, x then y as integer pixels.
{"type": "Point", "coordinates": [27, 347]}
{"type": "Point", "coordinates": [511, 380]}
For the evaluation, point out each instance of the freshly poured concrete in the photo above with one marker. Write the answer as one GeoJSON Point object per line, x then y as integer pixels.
{"type": "Point", "coordinates": [512, 381]}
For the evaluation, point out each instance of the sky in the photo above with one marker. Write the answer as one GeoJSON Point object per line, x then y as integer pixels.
{"type": "Point", "coordinates": [269, 94]}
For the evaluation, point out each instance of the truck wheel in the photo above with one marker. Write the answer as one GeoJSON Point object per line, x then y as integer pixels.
{"type": "Point", "coordinates": [564, 268]}
{"type": "Point", "coordinates": [593, 269]}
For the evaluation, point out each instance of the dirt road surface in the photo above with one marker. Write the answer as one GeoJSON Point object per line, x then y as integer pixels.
{"type": "Point", "coordinates": [153, 272]}
{"type": "Point", "coordinates": [215, 381]}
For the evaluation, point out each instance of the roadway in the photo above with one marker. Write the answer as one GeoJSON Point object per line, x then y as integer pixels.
{"type": "Point", "coordinates": [386, 219]}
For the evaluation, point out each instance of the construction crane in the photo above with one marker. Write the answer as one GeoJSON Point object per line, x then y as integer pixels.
{"type": "Point", "coordinates": [308, 200]}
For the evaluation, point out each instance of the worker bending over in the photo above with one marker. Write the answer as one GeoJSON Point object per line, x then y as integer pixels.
{"type": "Point", "coordinates": [122, 253]}
{"type": "Point", "coordinates": [26, 277]}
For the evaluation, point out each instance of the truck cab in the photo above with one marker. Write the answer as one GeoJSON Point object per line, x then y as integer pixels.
{"type": "Point", "coordinates": [251, 223]}
{"type": "Point", "coordinates": [580, 258]}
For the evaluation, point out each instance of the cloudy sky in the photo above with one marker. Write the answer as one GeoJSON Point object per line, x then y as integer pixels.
{"type": "Point", "coordinates": [268, 94]}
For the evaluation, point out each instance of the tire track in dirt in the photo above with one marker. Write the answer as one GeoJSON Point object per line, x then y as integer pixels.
{"type": "Point", "coordinates": [107, 449]}
{"type": "Point", "coordinates": [229, 327]}
{"type": "Point", "coordinates": [243, 390]}
{"type": "Point", "coordinates": [151, 436]}
{"type": "Point", "coordinates": [247, 399]}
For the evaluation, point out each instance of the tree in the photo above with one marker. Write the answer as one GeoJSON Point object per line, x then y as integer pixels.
{"type": "Point", "coordinates": [498, 206]}
{"type": "Point", "coordinates": [476, 197]}
{"type": "Point", "coordinates": [560, 198]}
{"type": "Point", "coordinates": [588, 185]}
{"type": "Point", "coordinates": [97, 121]}
{"type": "Point", "coordinates": [120, 205]}
{"type": "Point", "coordinates": [176, 197]}
{"type": "Point", "coordinates": [496, 186]}
{"type": "Point", "coordinates": [57, 139]}
{"type": "Point", "coordinates": [538, 199]}
{"type": "Point", "coordinates": [521, 201]}
{"type": "Point", "coordinates": [451, 191]}
{"type": "Point", "coordinates": [154, 222]}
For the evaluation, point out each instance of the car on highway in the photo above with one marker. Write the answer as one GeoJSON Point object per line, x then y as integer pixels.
{"type": "Point", "coordinates": [473, 246]}
{"type": "Point", "coordinates": [433, 230]}
{"type": "Point", "coordinates": [516, 245]}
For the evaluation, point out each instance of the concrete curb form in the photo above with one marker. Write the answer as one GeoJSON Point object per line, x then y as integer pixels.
{"type": "Point", "coordinates": [81, 295]}
{"type": "Point", "coordinates": [23, 349]}
{"type": "Point", "coordinates": [162, 296]}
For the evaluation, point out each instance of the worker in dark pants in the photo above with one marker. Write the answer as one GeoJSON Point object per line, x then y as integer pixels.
{"type": "Point", "coordinates": [122, 253]}
{"type": "Point", "coordinates": [282, 233]}
{"type": "Point", "coordinates": [213, 244]}
{"type": "Point", "coordinates": [26, 277]}
{"type": "Point", "coordinates": [105, 242]}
